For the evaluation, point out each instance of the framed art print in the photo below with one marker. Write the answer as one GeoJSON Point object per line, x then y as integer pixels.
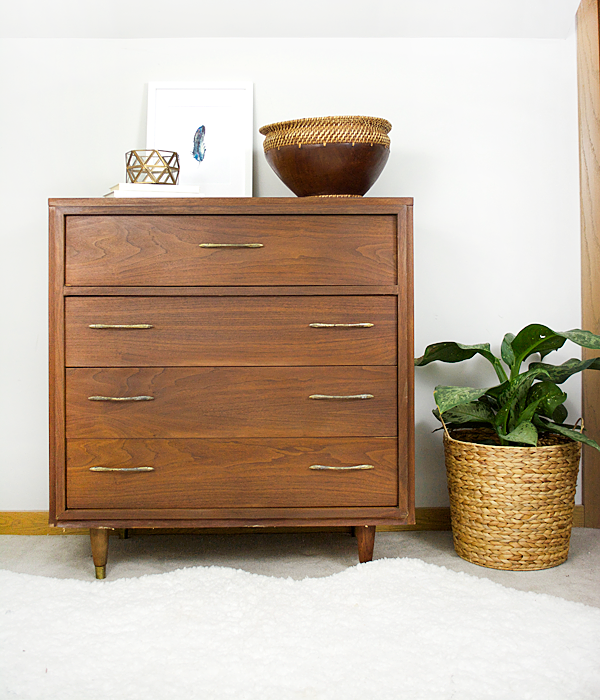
{"type": "Point", "coordinates": [210, 126]}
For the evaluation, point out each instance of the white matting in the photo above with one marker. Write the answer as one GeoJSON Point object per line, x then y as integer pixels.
{"type": "Point", "coordinates": [388, 629]}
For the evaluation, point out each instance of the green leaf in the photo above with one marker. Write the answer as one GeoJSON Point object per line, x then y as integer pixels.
{"type": "Point", "coordinates": [456, 352]}
{"type": "Point", "coordinates": [544, 424]}
{"type": "Point", "coordinates": [489, 401]}
{"type": "Point", "coordinates": [550, 345]}
{"type": "Point", "coordinates": [496, 392]}
{"type": "Point", "coordinates": [560, 414]}
{"type": "Point", "coordinates": [547, 398]}
{"type": "Point", "coordinates": [583, 338]}
{"type": "Point", "coordinates": [524, 433]}
{"type": "Point", "coordinates": [560, 373]}
{"type": "Point", "coordinates": [528, 412]}
{"type": "Point", "coordinates": [501, 420]}
{"type": "Point", "coordinates": [447, 397]}
{"type": "Point", "coordinates": [512, 399]}
{"type": "Point", "coordinates": [543, 398]}
{"type": "Point", "coordinates": [534, 338]}
{"type": "Point", "coordinates": [473, 412]}
{"type": "Point", "coordinates": [507, 352]}
{"type": "Point", "coordinates": [450, 352]}
{"type": "Point", "coordinates": [502, 392]}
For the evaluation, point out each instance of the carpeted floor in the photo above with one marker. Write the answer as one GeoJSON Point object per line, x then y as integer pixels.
{"type": "Point", "coordinates": [292, 555]}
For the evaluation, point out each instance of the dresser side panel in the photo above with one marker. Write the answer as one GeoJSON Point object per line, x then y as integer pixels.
{"type": "Point", "coordinates": [56, 364]}
{"type": "Point", "coordinates": [406, 417]}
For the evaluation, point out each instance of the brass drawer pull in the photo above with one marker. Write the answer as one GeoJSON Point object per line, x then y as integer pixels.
{"type": "Point", "coordinates": [120, 398]}
{"type": "Point", "coordinates": [120, 326]}
{"type": "Point", "coordinates": [121, 469]}
{"type": "Point", "coordinates": [230, 245]}
{"type": "Point", "coordinates": [341, 398]}
{"type": "Point", "coordinates": [355, 467]}
{"type": "Point", "coordinates": [341, 325]}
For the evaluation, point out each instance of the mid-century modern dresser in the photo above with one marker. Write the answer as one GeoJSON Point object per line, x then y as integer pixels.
{"type": "Point", "coordinates": [231, 363]}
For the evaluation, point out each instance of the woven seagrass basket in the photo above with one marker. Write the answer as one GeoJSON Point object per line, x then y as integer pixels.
{"type": "Point", "coordinates": [511, 507]}
{"type": "Point", "coordinates": [323, 130]}
{"type": "Point", "coordinates": [328, 156]}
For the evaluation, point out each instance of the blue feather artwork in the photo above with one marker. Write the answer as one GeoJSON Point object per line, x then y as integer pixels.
{"type": "Point", "coordinates": [199, 146]}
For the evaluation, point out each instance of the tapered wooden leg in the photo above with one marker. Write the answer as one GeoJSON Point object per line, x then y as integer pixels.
{"type": "Point", "coordinates": [365, 534]}
{"type": "Point", "coordinates": [99, 540]}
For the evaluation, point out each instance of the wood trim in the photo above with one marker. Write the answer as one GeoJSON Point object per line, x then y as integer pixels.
{"type": "Point", "coordinates": [425, 519]}
{"type": "Point", "coordinates": [324, 290]}
{"type": "Point", "coordinates": [230, 206]}
{"type": "Point", "coordinates": [36, 523]}
{"type": "Point", "coordinates": [405, 362]}
{"type": "Point", "coordinates": [32, 522]}
{"type": "Point", "coordinates": [186, 518]}
{"type": "Point", "coordinates": [56, 363]}
{"type": "Point", "coordinates": [410, 367]}
{"type": "Point", "coordinates": [588, 80]}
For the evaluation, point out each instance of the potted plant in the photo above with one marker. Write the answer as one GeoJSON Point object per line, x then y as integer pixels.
{"type": "Point", "coordinates": [511, 458]}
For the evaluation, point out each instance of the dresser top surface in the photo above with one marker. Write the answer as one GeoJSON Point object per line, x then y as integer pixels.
{"type": "Point", "coordinates": [231, 205]}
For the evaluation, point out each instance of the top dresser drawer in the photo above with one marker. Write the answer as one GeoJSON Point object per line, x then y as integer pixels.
{"type": "Point", "coordinates": [204, 250]}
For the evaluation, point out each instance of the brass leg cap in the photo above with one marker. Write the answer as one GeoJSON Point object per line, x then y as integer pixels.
{"type": "Point", "coordinates": [100, 572]}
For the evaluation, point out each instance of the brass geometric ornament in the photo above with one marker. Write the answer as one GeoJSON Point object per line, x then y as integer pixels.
{"type": "Point", "coordinates": [152, 167]}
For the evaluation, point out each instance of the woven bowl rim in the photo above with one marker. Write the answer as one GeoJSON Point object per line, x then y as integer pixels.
{"type": "Point", "coordinates": [318, 121]}
{"type": "Point", "coordinates": [564, 442]}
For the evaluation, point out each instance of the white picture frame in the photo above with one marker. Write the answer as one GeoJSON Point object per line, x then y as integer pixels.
{"type": "Point", "coordinates": [218, 158]}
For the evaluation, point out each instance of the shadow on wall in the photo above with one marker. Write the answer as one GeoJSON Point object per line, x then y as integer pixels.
{"type": "Point", "coordinates": [430, 469]}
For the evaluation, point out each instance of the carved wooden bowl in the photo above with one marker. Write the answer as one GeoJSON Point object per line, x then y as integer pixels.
{"type": "Point", "coordinates": [328, 156]}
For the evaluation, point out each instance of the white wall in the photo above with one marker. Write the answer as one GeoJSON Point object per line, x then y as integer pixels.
{"type": "Point", "coordinates": [484, 139]}
{"type": "Point", "coordinates": [138, 19]}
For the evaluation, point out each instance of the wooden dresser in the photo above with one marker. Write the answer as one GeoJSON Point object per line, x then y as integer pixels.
{"type": "Point", "coordinates": [231, 363]}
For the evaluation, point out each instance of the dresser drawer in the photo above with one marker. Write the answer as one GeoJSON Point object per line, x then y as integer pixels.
{"type": "Point", "coordinates": [208, 331]}
{"type": "Point", "coordinates": [287, 250]}
{"type": "Point", "coordinates": [231, 402]}
{"type": "Point", "coordinates": [250, 473]}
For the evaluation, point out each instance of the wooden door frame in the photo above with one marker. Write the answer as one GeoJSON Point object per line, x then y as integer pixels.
{"type": "Point", "coordinates": [588, 86]}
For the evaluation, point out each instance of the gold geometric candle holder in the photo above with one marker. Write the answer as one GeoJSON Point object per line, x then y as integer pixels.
{"type": "Point", "coordinates": [152, 167]}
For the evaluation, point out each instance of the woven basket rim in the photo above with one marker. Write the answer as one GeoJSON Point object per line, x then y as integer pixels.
{"type": "Point", "coordinates": [376, 122]}
{"type": "Point", "coordinates": [564, 441]}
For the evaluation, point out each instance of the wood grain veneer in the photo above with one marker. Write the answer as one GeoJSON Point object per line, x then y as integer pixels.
{"type": "Point", "coordinates": [230, 363]}
{"type": "Point", "coordinates": [230, 331]}
{"type": "Point", "coordinates": [158, 251]}
{"type": "Point", "coordinates": [588, 75]}
{"type": "Point", "coordinates": [231, 402]}
{"type": "Point", "coordinates": [229, 473]}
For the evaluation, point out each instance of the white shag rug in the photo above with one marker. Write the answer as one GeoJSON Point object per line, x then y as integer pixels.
{"type": "Point", "coordinates": [389, 629]}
